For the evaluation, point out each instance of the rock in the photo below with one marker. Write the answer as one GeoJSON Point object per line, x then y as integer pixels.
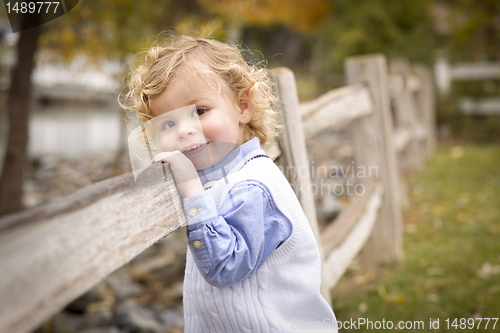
{"type": "Point", "coordinates": [164, 260]}
{"type": "Point", "coordinates": [30, 196]}
{"type": "Point", "coordinates": [123, 286]}
{"type": "Point", "coordinates": [171, 295]}
{"type": "Point", "coordinates": [80, 304]}
{"type": "Point", "coordinates": [172, 320]}
{"type": "Point", "coordinates": [48, 162]}
{"type": "Point", "coordinates": [108, 329]}
{"type": "Point", "coordinates": [176, 290]}
{"type": "Point", "coordinates": [176, 242]}
{"type": "Point", "coordinates": [99, 318]}
{"type": "Point", "coordinates": [133, 318]}
{"type": "Point", "coordinates": [330, 207]}
{"type": "Point", "coordinates": [67, 323]}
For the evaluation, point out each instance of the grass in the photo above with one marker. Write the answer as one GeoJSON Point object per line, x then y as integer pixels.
{"type": "Point", "coordinates": [452, 250]}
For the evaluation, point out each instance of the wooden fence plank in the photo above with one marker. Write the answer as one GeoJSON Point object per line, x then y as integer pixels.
{"type": "Point", "coordinates": [401, 138]}
{"type": "Point", "coordinates": [398, 83]}
{"type": "Point", "coordinates": [339, 259]}
{"type": "Point", "coordinates": [53, 254]}
{"type": "Point", "coordinates": [293, 160]}
{"type": "Point", "coordinates": [374, 146]}
{"type": "Point", "coordinates": [475, 71]}
{"type": "Point", "coordinates": [427, 104]}
{"type": "Point", "coordinates": [484, 107]}
{"type": "Point", "coordinates": [478, 71]}
{"type": "Point", "coordinates": [407, 115]}
{"type": "Point", "coordinates": [335, 233]}
{"type": "Point", "coordinates": [335, 109]}
{"type": "Point", "coordinates": [293, 145]}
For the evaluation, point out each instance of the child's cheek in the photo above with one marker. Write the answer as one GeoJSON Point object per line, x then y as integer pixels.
{"type": "Point", "coordinates": [166, 144]}
{"type": "Point", "coordinates": [213, 127]}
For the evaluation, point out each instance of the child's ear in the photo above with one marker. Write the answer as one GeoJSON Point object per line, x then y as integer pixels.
{"type": "Point", "coordinates": [246, 107]}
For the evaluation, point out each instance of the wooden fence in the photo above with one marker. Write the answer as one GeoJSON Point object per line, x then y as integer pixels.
{"type": "Point", "coordinates": [478, 71]}
{"type": "Point", "coordinates": [51, 254]}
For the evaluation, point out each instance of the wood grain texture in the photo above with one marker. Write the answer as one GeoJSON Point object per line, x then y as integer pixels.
{"type": "Point", "coordinates": [335, 233]}
{"type": "Point", "coordinates": [373, 141]}
{"type": "Point", "coordinates": [293, 145]}
{"type": "Point", "coordinates": [408, 115]}
{"type": "Point", "coordinates": [335, 109]}
{"type": "Point", "coordinates": [401, 138]}
{"type": "Point", "coordinates": [293, 160]}
{"type": "Point", "coordinates": [54, 253]}
{"type": "Point", "coordinates": [398, 83]}
{"type": "Point", "coordinates": [427, 103]}
{"type": "Point", "coordinates": [273, 151]}
{"type": "Point", "coordinates": [481, 107]}
{"type": "Point", "coordinates": [475, 71]}
{"type": "Point", "coordinates": [341, 256]}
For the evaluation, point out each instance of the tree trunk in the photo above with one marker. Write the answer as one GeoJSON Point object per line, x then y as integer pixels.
{"type": "Point", "coordinates": [18, 105]}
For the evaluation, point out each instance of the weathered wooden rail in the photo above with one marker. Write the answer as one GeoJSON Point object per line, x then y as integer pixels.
{"type": "Point", "coordinates": [473, 71]}
{"type": "Point", "coordinates": [51, 254]}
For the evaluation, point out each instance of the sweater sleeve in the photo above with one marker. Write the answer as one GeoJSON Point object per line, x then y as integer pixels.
{"type": "Point", "coordinates": [231, 244]}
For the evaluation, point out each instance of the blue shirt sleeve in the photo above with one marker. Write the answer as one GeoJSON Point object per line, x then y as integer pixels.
{"type": "Point", "coordinates": [231, 244]}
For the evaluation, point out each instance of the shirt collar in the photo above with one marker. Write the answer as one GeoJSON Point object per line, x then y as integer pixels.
{"type": "Point", "coordinates": [224, 166]}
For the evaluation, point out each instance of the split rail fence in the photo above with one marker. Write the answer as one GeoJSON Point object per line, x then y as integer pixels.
{"type": "Point", "coordinates": [474, 71]}
{"type": "Point", "coordinates": [51, 254]}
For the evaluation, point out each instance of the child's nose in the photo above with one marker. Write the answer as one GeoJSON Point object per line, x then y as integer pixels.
{"type": "Point", "coordinates": [184, 130]}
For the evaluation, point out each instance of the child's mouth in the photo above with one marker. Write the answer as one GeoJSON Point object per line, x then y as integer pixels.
{"type": "Point", "coordinates": [194, 149]}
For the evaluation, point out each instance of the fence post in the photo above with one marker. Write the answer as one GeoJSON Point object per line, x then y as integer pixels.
{"type": "Point", "coordinates": [374, 147]}
{"type": "Point", "coordinates": [407, 116]}
{"type": "Point", "coordinates": [294, 152]}
{"type": "Point", "coordinates": [442, 72]}
{"type": "Point", "coordinates": [426, 100]}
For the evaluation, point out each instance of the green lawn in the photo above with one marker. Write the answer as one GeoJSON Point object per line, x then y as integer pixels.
{"type": "Point", "coordinates": [452, 250]}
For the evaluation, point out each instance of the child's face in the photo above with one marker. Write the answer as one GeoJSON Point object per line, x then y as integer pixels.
{"type": "Point", "coordinates": [191, 114]}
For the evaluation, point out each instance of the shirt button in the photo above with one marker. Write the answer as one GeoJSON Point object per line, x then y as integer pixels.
{"type": "Point", "coordinates": [197, 244]}
{"type": "Point", "coordinates": [193, 211]}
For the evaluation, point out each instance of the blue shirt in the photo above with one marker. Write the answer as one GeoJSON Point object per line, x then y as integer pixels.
{"type": "Point", "coordinates": [231, 244]}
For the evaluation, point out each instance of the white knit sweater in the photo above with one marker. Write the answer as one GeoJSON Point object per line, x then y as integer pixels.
{"type": "Point", "coordinates": [284, 294]}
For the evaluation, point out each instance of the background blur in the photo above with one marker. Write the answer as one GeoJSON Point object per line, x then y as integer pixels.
{"type": "Point", "coordinates": [85, 55]}
{"type": "Point", "coordinates": [77, 135]}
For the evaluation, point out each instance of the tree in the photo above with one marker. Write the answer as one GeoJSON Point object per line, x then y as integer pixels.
{"type": "Point", "coordinates": [19, 97]}
{"type": "Point", "coordinates": [392, 27]}
{"type": "Point", "coordinates": [104, 29]}
{"type": "Point", "coordinates": [475, 32]}
{"type": "Point", "coordinates": [114, 29]}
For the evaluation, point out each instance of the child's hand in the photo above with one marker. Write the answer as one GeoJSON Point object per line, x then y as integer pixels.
{"type": "Point", "coordinates": [185, 175]}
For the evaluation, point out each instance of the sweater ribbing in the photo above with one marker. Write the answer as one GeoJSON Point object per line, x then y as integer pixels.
{"type": "Point", "coordinates": [270, 299]}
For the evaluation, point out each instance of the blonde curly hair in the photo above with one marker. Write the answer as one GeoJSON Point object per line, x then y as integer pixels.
{"type": "Point", "coordinates": [202, 55]}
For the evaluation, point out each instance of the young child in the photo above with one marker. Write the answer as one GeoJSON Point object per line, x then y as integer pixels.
{"type": "Point", "coordinates": [253, 264]}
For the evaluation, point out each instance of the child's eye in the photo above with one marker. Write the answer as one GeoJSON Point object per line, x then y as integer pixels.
{"type": "Point", "coordinates": [168, 125]}
{"type": "Point", "coordinates": [199, 111]}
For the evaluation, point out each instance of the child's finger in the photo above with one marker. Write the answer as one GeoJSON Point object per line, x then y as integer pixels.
{"type": "Point", "coordinates": [161, 157]}
{"type": "Point", "coordinates": [164, 156]}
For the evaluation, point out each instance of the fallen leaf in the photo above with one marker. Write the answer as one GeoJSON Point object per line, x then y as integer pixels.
{"type": "Point", "coordinates": [456, 152]}
{"type": "Point", "coordinates": [487, 270]}
{"type": "Point", "coordinates": [432, 298]}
